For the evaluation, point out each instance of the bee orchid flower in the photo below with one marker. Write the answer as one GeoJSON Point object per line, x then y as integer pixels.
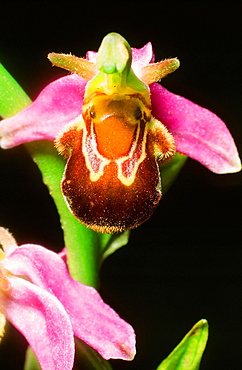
{"type": "Point", "coordinates": [38, 296]}
{"type": "Point", "coordinates": [117, 125]}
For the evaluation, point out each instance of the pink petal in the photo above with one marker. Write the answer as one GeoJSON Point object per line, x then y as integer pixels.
{"type": "Point", "coordinates": [41, 318]}
{"type": "Point", "coordinates": [198, 133]}
{"type": "Point", "coordinates": [57, 104]}
{"type": "Point", "coordinates": [93, 321]}
{"type": "Point", "coordinates": [144, 55]}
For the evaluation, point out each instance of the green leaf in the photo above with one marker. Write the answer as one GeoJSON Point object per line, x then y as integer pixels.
{"type": "Point", "coordinates": [114, 242]}
{"type": "Point", "coordinates": [171, 170]}
{"type": "Point", "coordinates": [87, 358]}
{"type": "Point", "coordinates": [12, 96]}
{"type": "Point", "coordinates": [188, 354]}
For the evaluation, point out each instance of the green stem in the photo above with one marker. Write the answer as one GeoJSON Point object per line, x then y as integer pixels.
{"type": "Point", "coordinates": [82, 244]}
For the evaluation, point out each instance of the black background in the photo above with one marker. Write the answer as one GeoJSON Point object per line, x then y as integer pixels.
{"type": "Point", "coordinates": [185, 263]}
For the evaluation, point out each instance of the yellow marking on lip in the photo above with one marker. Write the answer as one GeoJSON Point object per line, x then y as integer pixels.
{"type": "Point", "coordinates": [94, 176]}
{"type": "Point", "coordinates": [130, 179]}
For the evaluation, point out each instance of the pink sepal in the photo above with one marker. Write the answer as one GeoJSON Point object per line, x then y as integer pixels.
{"type": "Point", "coordinates": [198, 133]}
{"type": "Point", "coordinates": [58, 103]}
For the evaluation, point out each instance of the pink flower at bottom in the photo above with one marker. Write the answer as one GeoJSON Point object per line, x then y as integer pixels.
{"type": "Point", "coordinates": [38, 296]}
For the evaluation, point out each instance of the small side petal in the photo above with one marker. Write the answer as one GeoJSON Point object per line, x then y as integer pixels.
{"type": "Point", "coordinates": [58, 103]}
{"type": "Point", "coordinates": [41, 318]}
{"type": "Point", "coordinates": [7, 241]}
{"type": "Point", "coordinates": [93, 321]}
{"type": "Point", "coordinates": [198, 133]}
